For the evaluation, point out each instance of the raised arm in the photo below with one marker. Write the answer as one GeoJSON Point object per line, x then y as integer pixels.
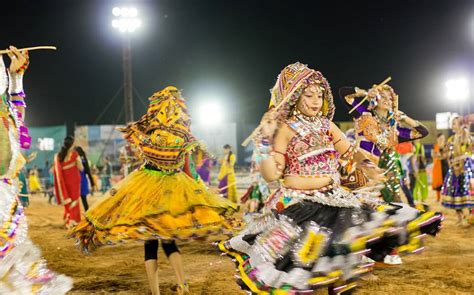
{"type": "Point", "coordinates": [352, 97]}
{"type": "Point", "coordinates": [19, 64]}
{"type": "Point", "coordinates": [410, 129]}
{"type": "Point", "coordinates": [271, 146]}
{"type": "Point", "coordinates": [272, 167]}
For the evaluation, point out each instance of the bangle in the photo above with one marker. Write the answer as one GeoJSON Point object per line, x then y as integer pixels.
{"type": "Point", "coordinates": [21, 94]}
{"type": "Point", "coordinates": [263, 147]}
{"type": "Point", "coordinates": [18, 103]}
{"type": "Point", "coordinates": [349, 153]}
{"type": "Point", "coordinates": [3, 76]}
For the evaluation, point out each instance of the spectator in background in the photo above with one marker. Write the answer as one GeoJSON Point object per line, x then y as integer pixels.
{"type": "Point", "coordinates": [106, 174]}
{"type": "Point", "coordinates": [440, 165]}
{"type": "Point", "coordinates": [96, 179]}
{"type": "Point", "coordinates": [420, 192]}
{"type": "Point", "coordinates": [34, 182]}
{"type": "Point", "coordinates": [85, 175]}
{"type": "Point", "coordinates": [405, 149]}
{"type": "Point", "coordinates": [203, 166]}
{"type": "Point", "coordinates": [226, 175]}
{"type": "Point", "coordinates": [67, 181]}
{"type": "Point", "coordinates": [46, 180]}
{"type": "Point", "coordinates": [23, 187]}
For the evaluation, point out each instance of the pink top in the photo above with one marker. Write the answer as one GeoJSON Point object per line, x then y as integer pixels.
{"type": "Point", "coordinates": [311, 151]}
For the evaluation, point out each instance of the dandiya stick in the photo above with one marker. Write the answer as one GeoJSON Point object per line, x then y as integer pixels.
{"type": "Point", "coordinates": [227, 186]}
{"type": "Point", "coordinates": [29, 49]}
{"type": "Point", "coordinates": [234, 183]}
{"type": "Point", "coordinates": [365, 98]}
{"type": "Point", "coordinates": [252, 135]}
{"type": "Point", "coordinates": [256, 130]}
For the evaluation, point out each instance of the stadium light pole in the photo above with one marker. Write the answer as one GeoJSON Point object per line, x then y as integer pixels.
{"type": "Point", "coordinates": [126, 21]}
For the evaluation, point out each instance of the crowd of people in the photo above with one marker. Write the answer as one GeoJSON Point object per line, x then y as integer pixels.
{"type": "Point", "coordinates": [324, 207]}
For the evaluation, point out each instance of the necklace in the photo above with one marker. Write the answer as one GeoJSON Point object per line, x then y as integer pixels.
{"type": "Point", "coordinates": [388, 120]}
{"type": "Point", "coordinates": [300, 115]}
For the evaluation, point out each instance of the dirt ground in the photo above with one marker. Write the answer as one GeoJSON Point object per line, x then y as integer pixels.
{"type": "Point", "coordinates": [446, 266]}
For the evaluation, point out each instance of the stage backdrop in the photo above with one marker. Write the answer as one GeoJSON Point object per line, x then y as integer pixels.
{"type": "Point", "coordinates": [99, 141]}
{"type": "Point", "coordinates": [46, 142]}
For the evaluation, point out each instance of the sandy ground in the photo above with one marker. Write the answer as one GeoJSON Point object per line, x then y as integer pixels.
{"type": "Point", "coordinates": [446, 267]}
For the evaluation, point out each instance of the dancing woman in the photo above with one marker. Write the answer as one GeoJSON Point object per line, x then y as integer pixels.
{"type": "Point", "coordinates": [379, 127]}
{"type": "Point", "coordinates": [22, 269]}
{"type": "Point", "coordinates": [457, 187]}
{"type": "Point", "coordinates": [163, 200]}
{"type": "Point", "coordinates": [318, 230]}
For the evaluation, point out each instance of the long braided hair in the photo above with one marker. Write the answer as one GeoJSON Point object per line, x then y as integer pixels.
{"type": "Point", "coordinates": [67, 144]}
{"type": "Point", "coordinates": [227, 146]}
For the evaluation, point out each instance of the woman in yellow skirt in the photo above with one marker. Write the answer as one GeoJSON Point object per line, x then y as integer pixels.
{"type": "Point", "coordinates": [226, 176]}
{"type": "Point", "coordinates": [164, 199]}
{"type": "Point", "coordinates": [33, 180]}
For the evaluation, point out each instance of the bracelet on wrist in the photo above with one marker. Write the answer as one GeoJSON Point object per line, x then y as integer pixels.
{"type": "Point", "coordinates": [18, 102]}
{"type": "Point", "coordinates": [20, 94]}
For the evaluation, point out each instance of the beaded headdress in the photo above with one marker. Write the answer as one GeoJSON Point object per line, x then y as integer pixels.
{"type": "Point", "coordinates": [292, 81]}
{"type": "Point", "coordinates": [373, 101]}
{"type": "Point", "coordinates": [162, 135]}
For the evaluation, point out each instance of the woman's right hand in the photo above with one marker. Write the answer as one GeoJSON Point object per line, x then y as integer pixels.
{"type": "Point", "coordinates": [19, 60]}
{"type": "Point", "coordinates": [269, 124]}
{"type": "Point", "coordinates": [360, 91]}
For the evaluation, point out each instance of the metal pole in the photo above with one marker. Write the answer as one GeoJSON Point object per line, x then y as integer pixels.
{"type": "Point", "coordinates": [127, 79]}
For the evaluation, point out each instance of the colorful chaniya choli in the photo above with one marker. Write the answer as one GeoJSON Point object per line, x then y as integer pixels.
{"type": "Point", "coordinates": [164, 198]}
{"type": "Point", "coordinates": [309, 239]}
{"type": "Point", "coordinates": [458, 191]}
{"type": "Point", "coordinates": [22, 269]}
{"type": "Point", "coordinates": [377, 137]}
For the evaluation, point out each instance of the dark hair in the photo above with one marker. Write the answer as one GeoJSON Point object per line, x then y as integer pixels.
{"type": "Point", "coordinates": [227, 146]}
{"type": "Point", "coordinates": [85, 162]}
{"type": "Point", "coordinates": [80, 151]}
{"type": "Point", "coordinates": [439, 135]}
{"type": "Point", "coordinates": [68, 142]}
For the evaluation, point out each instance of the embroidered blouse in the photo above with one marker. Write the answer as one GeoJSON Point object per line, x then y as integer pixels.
{"type": "Point", "coordinates": [311, 151]}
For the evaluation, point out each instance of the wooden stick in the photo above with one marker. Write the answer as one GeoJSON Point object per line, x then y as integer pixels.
{"type": "Point", "coordinates": [254, 132]}
{"type": "Point", "coordinates": [234, 183]}
{"type": "Point", "coordinates": [227, 186]}
{"type": "Point", "coordinates": [365, 98]}
{"type": "Point", "coordinates": [29, 49]}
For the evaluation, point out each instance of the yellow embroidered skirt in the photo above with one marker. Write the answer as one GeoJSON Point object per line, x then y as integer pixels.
{"type": "Point", "coordinates": [150, 204]}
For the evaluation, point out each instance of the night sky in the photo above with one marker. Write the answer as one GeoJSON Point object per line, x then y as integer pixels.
{"type": "Point", "coordinates": [232, 51]}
